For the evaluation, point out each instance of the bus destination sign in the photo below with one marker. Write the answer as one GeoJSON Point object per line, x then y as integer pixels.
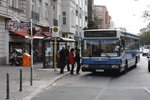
{"type": "Point", "coordinates": [100, 34]}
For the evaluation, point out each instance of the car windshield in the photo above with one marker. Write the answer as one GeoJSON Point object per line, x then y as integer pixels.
{"type": "Point", "coordinates": [97, 48]}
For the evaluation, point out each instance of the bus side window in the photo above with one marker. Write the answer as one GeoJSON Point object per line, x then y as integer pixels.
{"type": "Point", "coordinates": [123, 42]}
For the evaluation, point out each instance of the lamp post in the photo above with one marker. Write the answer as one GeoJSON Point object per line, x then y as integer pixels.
{"type": "Point", "coordinates": [31, 32]}
{"type": "Point", "coordinates": [55, 30]}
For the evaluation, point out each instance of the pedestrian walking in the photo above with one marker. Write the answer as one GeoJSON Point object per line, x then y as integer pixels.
{"type": "Point", "coordinates": [77, 59]}
{"type": "Point", "coordinates": [71, 60]}
{"type": "Point", "coordinates": [67, 53]}
{"type": "Point", "coordinates": [62, 59]}
{"type": "Point", "coordinates": [57, 59]}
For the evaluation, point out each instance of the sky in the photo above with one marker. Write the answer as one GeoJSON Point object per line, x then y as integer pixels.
{"type": "Point", "coordinates": [127, 13]}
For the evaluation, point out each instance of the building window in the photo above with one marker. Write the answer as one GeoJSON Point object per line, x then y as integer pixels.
{"type": "Point", "coordinates": [73, 18]}
{"type": "Point", "coordinates": [64, 17]}
{"type": "Point", "coordinates": [77, 13]}
{"type": "Point", "coordinates": [46, 10]}
{"type": "Point", "coordinates": [13, 3]}
{"type": "Point", "coordinates": [86, 3]}
{"type": "Point", "coordinates": [40, 8]}
{"type": "Point", "coordinates": [33, 6]}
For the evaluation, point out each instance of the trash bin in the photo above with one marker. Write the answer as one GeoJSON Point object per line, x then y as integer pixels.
{"type": "Point", "coordinates": [26, 60]}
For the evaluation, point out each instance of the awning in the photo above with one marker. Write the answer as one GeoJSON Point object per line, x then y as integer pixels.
{"type": "Point", "coordinates": [27, 35]}
{"type": "Point", "coordinates": [47, 34]}
{"type": "Point", "coordinates": [39, 36]}
{"type": "Point", "coordinates": [59, 39]}
{"type": "Point", "coordinates": [24, 34]}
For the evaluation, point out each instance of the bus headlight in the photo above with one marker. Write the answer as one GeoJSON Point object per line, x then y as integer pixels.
{"type": "Point", "coordinates": [115, 66]}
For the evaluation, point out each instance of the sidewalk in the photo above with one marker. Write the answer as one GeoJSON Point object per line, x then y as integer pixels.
{"type": "Point", "coordinates": [42, 78]}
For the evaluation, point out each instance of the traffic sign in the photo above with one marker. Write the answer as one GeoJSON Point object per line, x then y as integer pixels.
{"type": "Point", "coordinates": [55, 29]}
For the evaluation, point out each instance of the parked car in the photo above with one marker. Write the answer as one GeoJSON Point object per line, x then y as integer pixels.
{"type": "Point", "coordinates": [145, 52]}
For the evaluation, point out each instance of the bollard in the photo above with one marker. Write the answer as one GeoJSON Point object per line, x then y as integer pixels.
{"type": "Point", "coordinates": [7, 86]}
{"type": "Point", "coordinates": [31, 75]}
{"type": "Point", "coordinates": [20, 80]}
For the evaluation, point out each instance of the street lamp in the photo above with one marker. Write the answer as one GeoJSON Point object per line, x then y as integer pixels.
{"type": "Point", "coordinates": [31, 32]}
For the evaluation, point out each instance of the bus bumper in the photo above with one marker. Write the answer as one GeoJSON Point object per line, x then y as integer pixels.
{"type": "Point", "coordinates": [92, 68]}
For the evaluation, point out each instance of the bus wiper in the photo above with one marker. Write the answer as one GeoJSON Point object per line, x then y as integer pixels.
{"type": "Point", "coordinates": [106, 54]}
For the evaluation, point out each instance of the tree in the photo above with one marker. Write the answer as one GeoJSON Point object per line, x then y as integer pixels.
{"type": "Point", "coordinates": [123, 29]}
{"type": "Point", "coordinates": [93, 24]}
{"type": "Point", "coordinates": [145, 38]}
{"type": "Point", "coordinates": [146, 14]}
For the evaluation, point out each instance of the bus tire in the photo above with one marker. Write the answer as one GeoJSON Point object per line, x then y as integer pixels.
{"type": "Point", "coordinates": [149, 65]}
{"type": "Point", "coordinates": [136, 60]}
{"type": "Point", "coordinates": [126, 67]}
{"type": "Point", "coordinates": [93, 71]}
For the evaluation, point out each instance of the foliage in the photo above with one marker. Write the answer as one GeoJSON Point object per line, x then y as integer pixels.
{"type": "Point", "coordinates": [93, 24]}
{"type": "Point", "coordinates": [145, 38]}
{"type": "Point", "coordinates": [122, 28]}
{"type": "Point", "coordinates": [146, 14]}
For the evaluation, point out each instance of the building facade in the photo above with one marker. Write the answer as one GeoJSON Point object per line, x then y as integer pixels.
{"type": "Point", "coordinates": [15, 15]}
{"type": "Point", "coordinates": [8, 9]}
{"type": "Point", "coordinates": [81, 20]}
{"type": "Point", "coordinates": [103, 15]}
{"type": "Point", "coordinates": [20, 12]}
{"type": "Point", "coordinates": [74, 19]}
{"type": "Point", "coordinates": [90, 9]}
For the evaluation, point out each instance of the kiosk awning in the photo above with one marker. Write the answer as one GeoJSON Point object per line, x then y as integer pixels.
{"type": "Point", "coordinates": [59, 39]}
{"type": "Point", "coordinates": [27, 35]}
{"type": "Point", "coordinates": [39, 36]}
{"type": "Point", "coordinates": [24, 34]}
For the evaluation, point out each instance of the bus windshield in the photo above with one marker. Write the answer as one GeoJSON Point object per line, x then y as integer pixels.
{"type": "Point", "coordinates": [100, 48]}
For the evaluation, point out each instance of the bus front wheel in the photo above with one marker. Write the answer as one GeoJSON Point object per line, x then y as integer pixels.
{"type": "Point", "coordinates": [149, 65]}
{"type": "Point", "coordinates": [126, 67]}
{"type": "Point", "coordinates": [136, 61]}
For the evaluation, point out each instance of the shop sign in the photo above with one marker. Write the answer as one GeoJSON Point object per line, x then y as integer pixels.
{"type": "Point", "coordinates": [20, 25]}
{"type": "Point", "coordinates": [15, 25]}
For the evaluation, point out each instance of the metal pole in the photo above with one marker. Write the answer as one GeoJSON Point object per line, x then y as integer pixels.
{"type": "Point", "coordinates": [31, 68]}
{"type": "Point", "coordinates": [55, 53]}
{"type": "Point", "coordinates": [20, 80]}
{"type": "Point", "coordinates": [7, 86]}
{"type": "Point", "coordinates": [31, 76]}
{"type": "Point", "coordinates": [55, 44]}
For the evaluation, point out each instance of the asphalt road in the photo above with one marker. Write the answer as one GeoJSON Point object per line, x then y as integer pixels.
{"type": "Point", "coordinates": [135, 85]}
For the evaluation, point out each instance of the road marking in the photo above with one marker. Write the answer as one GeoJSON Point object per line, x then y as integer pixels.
{"type": "Point", "coordinates": [147, 90]}
{"type": "Point", "coordinates": [99, 95]}
{"type": "Point", "coordinates": [101, 92]}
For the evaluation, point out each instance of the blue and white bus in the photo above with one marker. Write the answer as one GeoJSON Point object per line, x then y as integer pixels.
{"type": "Point", "coordinates": [109, 50]}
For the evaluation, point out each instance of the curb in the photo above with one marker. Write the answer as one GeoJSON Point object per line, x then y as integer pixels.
{"type": "Point", "coordinates": [37, 91]}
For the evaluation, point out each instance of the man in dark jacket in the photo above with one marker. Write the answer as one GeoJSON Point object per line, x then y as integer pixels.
{"type": "Point", "coordinates": [77, 58]}
{"type": "Point", "coordinates": [67, 52]}
{"type": "Point", "coordinates": [62, 60]}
